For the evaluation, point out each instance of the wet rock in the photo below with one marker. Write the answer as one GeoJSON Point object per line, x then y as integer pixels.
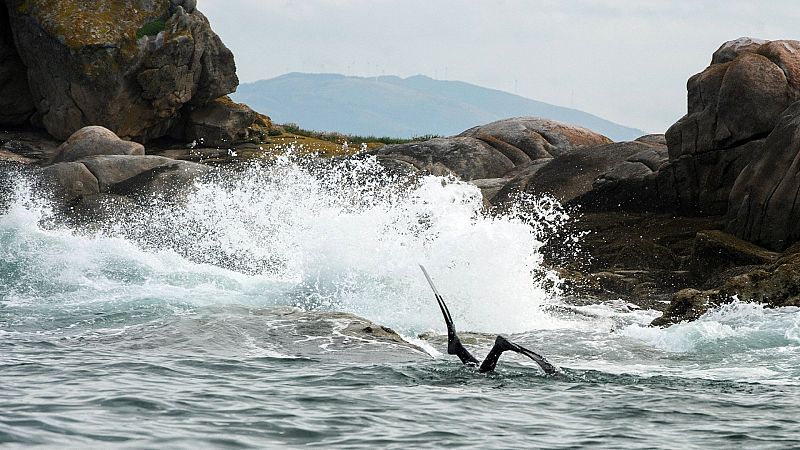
{"type": "Point", "coordinates": [775, 285]}
{"type": "Point", "coordinates": [131, 69]}
{"type": "Point", "coordinates": [363, 329]}
{"type": "Point", "coordinates": [8, 156]}
{"type": "Point", "coordinates": [142, 176]}
{"type": "Point", "coordinates": [94, 140]}
{"type": "Point", "coordinates": [490, 187]}
{"type": "Point", "coordinates": [686, 305]}
{"type": "Point", "coordinates": [715, 251]}
{"type": "Point", "coordinates": [84, 185]}
{"type": "Point", "coordinates": [29, 144]}
{"type": "Point", "coordinates": [632, 184]}
{"type": "Point", "coordinates": [70, 181]}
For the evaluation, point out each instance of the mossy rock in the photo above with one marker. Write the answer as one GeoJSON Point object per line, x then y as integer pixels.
{"type": "Point", "coordinates": [102, 22]}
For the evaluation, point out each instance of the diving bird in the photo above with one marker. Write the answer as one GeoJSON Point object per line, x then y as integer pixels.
{"type": "Point", "coordinates": [501, 344]}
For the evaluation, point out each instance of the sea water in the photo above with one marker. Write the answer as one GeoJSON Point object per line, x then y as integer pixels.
{"type": "Point", "coordinates": [216, 322]}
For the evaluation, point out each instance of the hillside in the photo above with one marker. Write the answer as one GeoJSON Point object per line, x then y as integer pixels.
{"type": "Point", "coordinates": [401, 107]}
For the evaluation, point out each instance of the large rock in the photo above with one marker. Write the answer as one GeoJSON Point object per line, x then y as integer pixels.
{"type": "Point", "coordinates": [16, 103]}
{"type": "Point", "coordinates": [611, 176]}
{"type": "Point", "coordinates": [81, 183]}
{"type": "Point", "coordinates": [465, 157]}
{"type": "Point", "coordinates": [141, 176]}
{"type": "Point", "coordinates": [523, 139]}
{"type": "Point", "coordinates": [739, 97]}
{"type": "Point", "coordinates": [130, 66]}
{"type": "Point", "coordinates": [94, 140]}
{"type": "Point", "coordinates": [733, 105]}
{"type": "Point", "coordinates": [494, 150]}
{"type": "Point", "coordinates": [764, 206]}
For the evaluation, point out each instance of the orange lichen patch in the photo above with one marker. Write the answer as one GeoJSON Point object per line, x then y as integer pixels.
{"type": "Point", "coordinates": [226, 101]}
{"type": "Point", "coordinates": [83, 23]}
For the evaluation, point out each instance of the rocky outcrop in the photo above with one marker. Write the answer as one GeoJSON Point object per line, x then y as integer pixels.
{"type": "Point", "coordinates": [686, 305]}
{"type": "Point", "coordinates": [733, 105]}
{"type": "Point", "coordinates": [132, 68]}
{"type": "Point", "coordinates": [224, 123]}
{"type": "Point", "coordinates": [494, 150]}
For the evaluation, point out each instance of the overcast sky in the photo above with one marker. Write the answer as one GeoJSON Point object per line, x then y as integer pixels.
{"type": "Point", "coordinates": [624, 60]}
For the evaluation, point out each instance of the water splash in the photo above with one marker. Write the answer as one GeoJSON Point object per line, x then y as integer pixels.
{"type": "Point", "coordinates": [336, 235]}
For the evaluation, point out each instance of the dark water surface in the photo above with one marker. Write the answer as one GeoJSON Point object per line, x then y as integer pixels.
{"type": "Point", "coordinates": [62, 393]}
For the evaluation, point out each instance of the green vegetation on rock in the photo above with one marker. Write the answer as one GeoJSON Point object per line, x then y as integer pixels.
{"type": "Point", "coordinates": [151, 28]}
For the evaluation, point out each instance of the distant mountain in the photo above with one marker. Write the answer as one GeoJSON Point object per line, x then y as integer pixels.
{"type": "Point", "coordinates": [401, 107]}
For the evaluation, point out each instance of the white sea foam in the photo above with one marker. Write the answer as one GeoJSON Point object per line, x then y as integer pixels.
{"type": "Point", "coordinates": [731, 327]}
{"type": "Point", "coordinates": [342, 237]}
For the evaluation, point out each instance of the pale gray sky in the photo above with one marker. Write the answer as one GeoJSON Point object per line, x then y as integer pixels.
{"type": "Point", "coordinates": [624, 60]}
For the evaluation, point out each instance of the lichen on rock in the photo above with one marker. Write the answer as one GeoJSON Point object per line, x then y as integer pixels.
{"type": "Point", "coordinates": [82, 23]}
